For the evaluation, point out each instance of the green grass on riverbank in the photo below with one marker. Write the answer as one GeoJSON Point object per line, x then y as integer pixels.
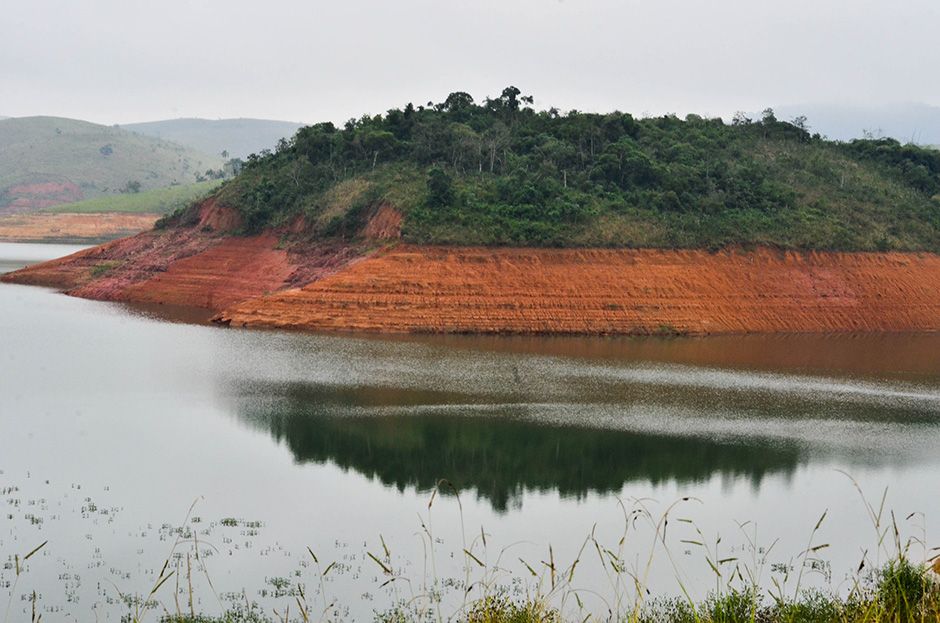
{"type": "Point", "coordinates": [157, 201]}
{"type": "Point", "coordinates": [900, 592]}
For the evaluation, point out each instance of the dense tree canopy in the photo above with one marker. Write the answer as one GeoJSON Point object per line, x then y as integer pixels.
{"type": "Point", "coordinates": [501, 172]}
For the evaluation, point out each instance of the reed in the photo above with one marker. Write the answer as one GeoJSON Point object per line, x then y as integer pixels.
{"type": "Point", "coordinates": [499, 586]}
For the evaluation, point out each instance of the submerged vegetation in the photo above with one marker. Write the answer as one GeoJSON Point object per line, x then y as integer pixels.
{"type": "Point", "coordinates": [500, 172]}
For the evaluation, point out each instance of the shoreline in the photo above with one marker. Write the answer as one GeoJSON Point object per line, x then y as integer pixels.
{"type": "Point", "coordinates": [72, 228]}
{"type": "Point", "coordinates": [361, 287]}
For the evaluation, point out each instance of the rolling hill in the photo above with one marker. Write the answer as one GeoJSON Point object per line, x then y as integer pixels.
{"type": "Point", "coordinates": [501, 173]}
{"type": "Point", "coordinates": [494, 217]}
{"type": "Point", "coordinates": [237, 137]}
{"type": "Point", "coordinates": [47, 161]}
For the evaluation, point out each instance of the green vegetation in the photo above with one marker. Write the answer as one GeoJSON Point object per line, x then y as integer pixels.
{"type": "Point", "coordinates": [899, 592]}
{"type": "Point", "coordinates": [156, 201]}
{"type": "Point", "coordinates": [48, 160]}
{"type": "Point", "coordinates": [501, 173]}
{"type": "Point", "coordinates": [104, 268]}
{"type": "Point", "coordinates": [494, 584]}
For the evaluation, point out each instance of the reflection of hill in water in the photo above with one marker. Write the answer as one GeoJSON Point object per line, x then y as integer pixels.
{"type": "Point", "coordinates": [396, 437]}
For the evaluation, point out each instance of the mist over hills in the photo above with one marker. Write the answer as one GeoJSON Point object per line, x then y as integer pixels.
{"type": "Point", "coordinates": [236, 137]}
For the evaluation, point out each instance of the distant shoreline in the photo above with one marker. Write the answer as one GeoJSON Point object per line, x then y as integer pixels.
{"type": "Point", "coordinates": [73, 228]}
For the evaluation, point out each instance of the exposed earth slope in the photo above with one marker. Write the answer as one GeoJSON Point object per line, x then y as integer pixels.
{"type": "Point", "coordinates": [201, 265]}
{"type": "Point", "coordinates": [379, 285]}
{"type": "Point", "coordinates": [495, 218]}
{"type": "Point", "coordinates": [602, 291]}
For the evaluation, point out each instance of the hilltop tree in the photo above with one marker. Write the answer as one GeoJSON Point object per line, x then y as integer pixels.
{"type": "Point", "coordinates": [501, 172]}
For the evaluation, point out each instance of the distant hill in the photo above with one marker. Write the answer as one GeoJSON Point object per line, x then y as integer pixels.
{"type": "Point", "coordinates": [237, 137]}
{"type": "Point", "coordinates": [47, 161]}
{"type": "Point", "coordinates": [907, 123]}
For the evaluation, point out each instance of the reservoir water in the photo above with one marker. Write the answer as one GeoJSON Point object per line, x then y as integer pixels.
{"type": "Point", "coordinates": [128, 439]}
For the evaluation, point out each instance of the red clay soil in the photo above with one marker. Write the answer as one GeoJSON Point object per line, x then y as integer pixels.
{"type": "Point", "coordinates": [222, 275]}
{"type": "Point", "coordinates": [254, 281]}
{"type": "Point", "coordinates": [385, 224]}
{"type": "Point", "coordinates": [103, 272]}
{"type": "Point", "coordinates": [435, 289]}
{"type": "Point", "coordinates": [29, 197]}
{"type": "Point", "coordinates": [196, 270]}
{"type": "Point", "coordinates": [187, 267]}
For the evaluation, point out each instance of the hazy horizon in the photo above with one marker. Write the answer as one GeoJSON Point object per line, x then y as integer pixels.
{"type": "Point", "coordinates": [124, 62]}
{"type": "Point", "coordinates": [785, 112]}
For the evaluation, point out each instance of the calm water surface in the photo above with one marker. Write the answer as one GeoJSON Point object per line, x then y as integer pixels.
{"type": "Point", "coordinates": [114, 421]}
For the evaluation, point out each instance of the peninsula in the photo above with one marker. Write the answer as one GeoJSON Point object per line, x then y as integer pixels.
{"type": "Point", "coordinates": [494, 217]}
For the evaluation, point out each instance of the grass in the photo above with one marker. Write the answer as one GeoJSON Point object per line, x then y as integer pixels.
{"type": "Point", "coordinates": [103, 268]}
{"type": "Point", "coordinates": [900, 590]}
{"type": "Point", "coordinates": [99, 159]}
{"type": "Point", "coordinates": [157, 201]}
{"type": "Point", "coordinates": [18, 563]}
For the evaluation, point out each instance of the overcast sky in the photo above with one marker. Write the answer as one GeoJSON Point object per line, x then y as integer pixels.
{"type": "Point", "coordinates": [118, 61]}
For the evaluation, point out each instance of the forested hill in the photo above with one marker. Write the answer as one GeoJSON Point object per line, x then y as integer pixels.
{"type": "Point", "coordinates": [502, 173]}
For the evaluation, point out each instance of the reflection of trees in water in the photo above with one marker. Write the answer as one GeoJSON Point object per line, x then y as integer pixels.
{"type": "Point", "coordinates": [499, 455]}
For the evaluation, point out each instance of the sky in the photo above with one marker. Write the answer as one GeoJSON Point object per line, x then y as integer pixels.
{"type": "Point", "coordinates": [120, 61]}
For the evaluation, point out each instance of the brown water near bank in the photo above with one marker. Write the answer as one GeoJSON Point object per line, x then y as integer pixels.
{"type": "Point", "coordinates": [902, 356]}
